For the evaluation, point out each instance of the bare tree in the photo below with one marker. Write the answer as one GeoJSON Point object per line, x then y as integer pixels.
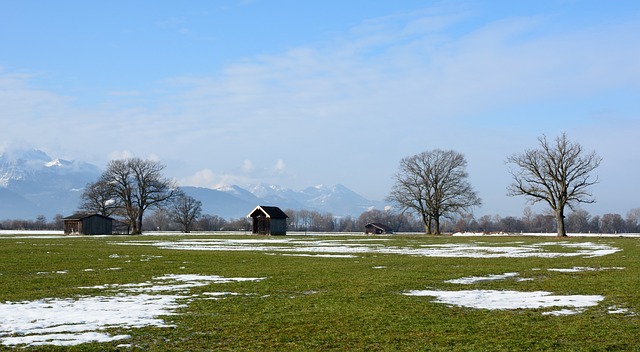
{"type": "Point", "coordinates": [208, 222]}
{"type": "Point", "coordinates": [557, 173]}
{"type": "Point", "coordinates": [159, 220]}
{"type": "Point", "coordinates": [99, 197]}
{"type": "Point", "coordinates": [137, 185]}
{"type": "Point", "coordinates": [578, 221]}
{"type": "Point", "coordinates": [433, 184]}
{"type": "Point", "coordinates": [185, 210]}
{"type": "Point", "coordinates": [633, 220]}
{"type": "Point", "coordinates": [612, 223]}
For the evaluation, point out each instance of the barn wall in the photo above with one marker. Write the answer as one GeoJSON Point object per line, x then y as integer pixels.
{"type": "Point", "coordinates": [95, 225]}
{"type": "Point", "coordinates": [278, 226]}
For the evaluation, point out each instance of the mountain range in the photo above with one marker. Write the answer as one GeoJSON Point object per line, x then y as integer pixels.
{"type": "Point", "coordinates": [32, 184]}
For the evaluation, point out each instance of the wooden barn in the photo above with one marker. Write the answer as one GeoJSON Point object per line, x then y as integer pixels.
{"type": "Point", "coordinates": [88, 224]}
{"type": "Point", "coordinates": [268, 220]}
{"type": "Point", "coordinates": [377, 228]}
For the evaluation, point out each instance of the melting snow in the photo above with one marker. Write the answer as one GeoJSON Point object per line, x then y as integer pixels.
{"type": "Point", "coordinates": [73, 321]}
{"type": "Point", "coordinates": [577, 269]}
{"type": "Point", "coordinates": [493, 299]}
{"type": "Point", "coordinates": [351, 247]}
{"type": "Point", "coordinates": [474, 279]}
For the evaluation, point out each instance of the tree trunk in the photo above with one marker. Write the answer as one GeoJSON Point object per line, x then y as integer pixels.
{"type": "Point", "coordinates": [562, 232]}
{"type": "Point", "coordinates": [426, 220]}
{"type": "Point", "coordinates": [139, 223]}
{"type": "Point", "coordinates": [436, 219]}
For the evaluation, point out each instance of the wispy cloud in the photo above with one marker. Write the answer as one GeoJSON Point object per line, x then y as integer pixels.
{"type": "Point", "coordinates": [442, 77]}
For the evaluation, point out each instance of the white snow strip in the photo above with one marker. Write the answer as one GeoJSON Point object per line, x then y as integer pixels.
{"type": "Point", "coordinates": [577, 269]}
{"type": "Point", "coordinates": [172, 283]}
{"type": "Point", "coordinates": [62, 339]}
{"type": "Point", "coordinates": [492, 299]}
{"type": "Point", "coordinates": [321, 255]}
{"type": "Point", "coordinates": [562, 312]}
{"type": "Point", "coordinates": [474, 279]}
{"type": "Point", "coordinates": [353, 247]}
{"type": "Point", "coordinates": [73, 321]}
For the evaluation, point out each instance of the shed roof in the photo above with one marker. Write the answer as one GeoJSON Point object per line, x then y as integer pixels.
{"type": "Point", "coordinates": [378, 225]}
{"type": "Point", "coordinates": [80, 216]}
{"type": "Point", "coordinates": [268, 211]}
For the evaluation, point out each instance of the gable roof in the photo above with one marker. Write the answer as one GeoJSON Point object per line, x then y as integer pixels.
{"type": "Point", "coordinates": [80, 216]}
{"type": "Point", "coordinates": [378, 225]}
{"type": "Point", "coordinates": [268, 211]}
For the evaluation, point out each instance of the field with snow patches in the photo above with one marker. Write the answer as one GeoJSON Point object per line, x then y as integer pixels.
{"type": "Point", "coordinates": [208, 291]}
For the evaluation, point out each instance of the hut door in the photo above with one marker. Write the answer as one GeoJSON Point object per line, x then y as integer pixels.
{"type": "Point", "coordinates": [261, 225]}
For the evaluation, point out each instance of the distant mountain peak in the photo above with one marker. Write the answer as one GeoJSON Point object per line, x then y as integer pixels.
{"type": "Point", "coordinates": [337, 199]}
{"type": "Point", "coordinates": [48, 186]}
{"type": "Point", "coordinates": [53, 163]}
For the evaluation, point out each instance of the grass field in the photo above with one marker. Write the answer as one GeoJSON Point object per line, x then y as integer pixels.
{"type": "Point", "coordinates": [304, 293]}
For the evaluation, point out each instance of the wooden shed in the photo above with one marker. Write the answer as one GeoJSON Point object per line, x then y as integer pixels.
{"type": "Point", "coordinates": [268, 220]}
{"type": "Point", "coordinates": [88, 224]}
{"type": "Point", "coordinates": [377, 228]}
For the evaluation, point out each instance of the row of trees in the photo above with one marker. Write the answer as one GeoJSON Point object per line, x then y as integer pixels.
{"type": "Point", "coordinates": [130, 187]}
{"type": "Point", "coordinates": [578, 221]}
{"type": "Point", "coordinates": [433, 184]}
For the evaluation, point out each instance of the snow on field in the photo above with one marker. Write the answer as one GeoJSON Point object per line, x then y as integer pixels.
{"type": "Point", "coordinates": [510, 299]}
{"type": "Point", "coordinates": [494, 299]}
{"type": "Point", "coordinates": [348, 248]}
{"type": "Point", "coordinates": [73, 321]}
{"type": "Point", "coordinates": [475, 279]}
{"type": "Point", "coordinates": [577, 269]}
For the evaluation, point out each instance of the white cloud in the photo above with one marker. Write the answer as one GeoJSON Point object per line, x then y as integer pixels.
{"type": "Point", "coordinates": [442, 77]}
{"type": "Point", "coordinates": [279, 166]}
{"type": "Point", "coordinates": [121, 154]}
{"type": "Point", "coordinates": [210, 179]}
{"type": "Point", "coordinates": [247, 166]}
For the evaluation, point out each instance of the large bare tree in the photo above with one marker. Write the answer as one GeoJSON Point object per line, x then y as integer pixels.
{"type": "Point", "coordinates": [98, 197]}
{"type": "Point", "coordinates": [557, 172]}
{"type": "Point", "coordinates": [136, 185]}
{"type": "Point", "coordinates": [433, 184]}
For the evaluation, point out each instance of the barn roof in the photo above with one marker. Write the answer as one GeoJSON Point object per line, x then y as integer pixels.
{"type": "Point", "coordinates": [80, 216]}
{"type": "Point", "coordinates": [378, 225]}
{"type": "Point", "coordinates": [268, 211]}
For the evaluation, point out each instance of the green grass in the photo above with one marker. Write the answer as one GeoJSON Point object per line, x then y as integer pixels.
{"type": "Point", "coordinates": [309, 303]}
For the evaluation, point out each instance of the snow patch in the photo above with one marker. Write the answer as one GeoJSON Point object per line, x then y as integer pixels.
{"type": "Point", "coordinates": [74, 321]}
{"type": "Point", "coordinates": [351, 247]}
{"type": "Point", "coordinates": [493, 299]}
{"type": "Point", "coordinates": [474, 279]}
{"type": "Point", "coordinates": [577, 269]}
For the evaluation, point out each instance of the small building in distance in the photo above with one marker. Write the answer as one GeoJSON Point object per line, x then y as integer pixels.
{"type": "Point", "coordinates": [376, 228]}
{"type": "Point", "coordinates": [268, 220]}
{"type": "Point", "coordinates": [88, 224]}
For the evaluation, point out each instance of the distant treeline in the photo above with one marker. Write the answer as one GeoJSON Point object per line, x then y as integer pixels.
{"type": "Point", "coordinates": [579, 221]}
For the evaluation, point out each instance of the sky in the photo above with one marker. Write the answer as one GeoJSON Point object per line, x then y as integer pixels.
{"type": "Point", "coordinates": [325, 92]}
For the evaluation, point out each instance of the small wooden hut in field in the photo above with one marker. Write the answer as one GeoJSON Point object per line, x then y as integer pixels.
{"type": "Point", "coordinates": [268, 220]}
{"type": "Point", "coordinates": [88, 224]}
{"type": "Point", "coordinates": [377, 228]}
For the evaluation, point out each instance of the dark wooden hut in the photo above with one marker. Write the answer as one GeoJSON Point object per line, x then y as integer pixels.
{"type": "Point", "coordinates": [377, 228]}
{"type": "Point", "coordinates": [268, 220]}
{"type": "Point", "coordinates": [88, 224]}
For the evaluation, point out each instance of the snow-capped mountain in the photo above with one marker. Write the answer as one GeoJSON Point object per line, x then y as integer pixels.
{"type": "Point", "coordinates": [235, 201]}
{"type": "Point", "coordinates": [32, 183]}
{"type": "Point", "coordinates": [337, 200]}
{"type": "Point", "coordinates": [35, 184]}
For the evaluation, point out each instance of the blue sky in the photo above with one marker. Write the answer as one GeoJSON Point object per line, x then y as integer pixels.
{"type": "Point", "coordinates": [300, 93]}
